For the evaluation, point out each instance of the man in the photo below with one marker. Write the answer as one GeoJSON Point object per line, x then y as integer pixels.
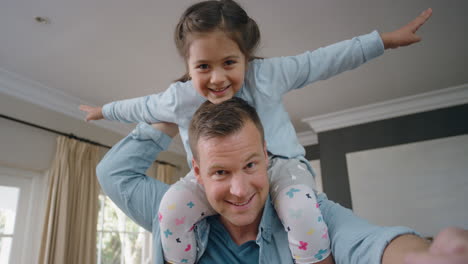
{"type": "Point", "coordinates": [230, 162]}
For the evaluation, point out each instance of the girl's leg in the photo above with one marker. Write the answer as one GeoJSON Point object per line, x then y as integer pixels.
{"type": "Point", "coordinates": [182, 206]}
{"type": "Point", "coordinates": [292, 192]}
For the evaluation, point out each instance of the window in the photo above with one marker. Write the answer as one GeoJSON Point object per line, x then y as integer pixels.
{"type": "Point", "coordinates": [22, 200]}
{"type": "Point", "coordinates": [119, 239]}
{"type": "Point", "coordinates": [8, 205]}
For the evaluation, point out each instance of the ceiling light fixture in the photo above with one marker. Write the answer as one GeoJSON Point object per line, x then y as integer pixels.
{"type": "Point", "coordinates": [42, 20]}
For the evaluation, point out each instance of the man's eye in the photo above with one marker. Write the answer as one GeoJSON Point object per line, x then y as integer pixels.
{"type": "Point", "coordinates": [220, 172]}
{"type": "Point", "coordinates": [250, 165]}
{"type": "Point", "coordinates": [219, 175]}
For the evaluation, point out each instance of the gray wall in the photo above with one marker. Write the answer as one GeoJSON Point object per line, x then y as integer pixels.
{"type": "Point", "coordinates": [334, 145]}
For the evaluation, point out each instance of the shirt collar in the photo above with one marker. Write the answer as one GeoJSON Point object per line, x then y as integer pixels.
{"type": "Point", "coordinates": [265, 227]}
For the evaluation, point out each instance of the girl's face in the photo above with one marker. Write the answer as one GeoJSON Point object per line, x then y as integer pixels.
{"type": "Point", "coordinates": [216, 66]}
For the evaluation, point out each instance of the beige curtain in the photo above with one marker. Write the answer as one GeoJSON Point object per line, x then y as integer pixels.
{"type": "Point", "coordinates": [165, 173]}
{"type": "Point", "coordinates": [69, 232]}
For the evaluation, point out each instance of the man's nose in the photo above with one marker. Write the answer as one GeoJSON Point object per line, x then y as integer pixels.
{"type": "Point", "coordinates": [218, 76]}
{"type": "Point", "coordinates": [239, 185]}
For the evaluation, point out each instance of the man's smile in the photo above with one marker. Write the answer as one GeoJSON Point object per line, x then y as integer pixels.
{"type": "Point", "coordinates": [242, 203]}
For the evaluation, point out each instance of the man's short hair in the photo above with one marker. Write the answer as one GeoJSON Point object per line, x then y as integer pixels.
{"type": "Point", "coordinates": [221, 120]}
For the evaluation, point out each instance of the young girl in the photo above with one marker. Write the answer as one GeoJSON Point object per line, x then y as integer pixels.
{"type": "Point", "coordinates": [218, 39]}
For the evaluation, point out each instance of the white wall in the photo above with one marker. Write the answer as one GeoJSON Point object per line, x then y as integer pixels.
{"type": "Point", "coordinates": [422, 185]}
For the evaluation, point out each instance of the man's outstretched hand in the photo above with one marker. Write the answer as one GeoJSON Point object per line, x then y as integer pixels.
{"type": "Point", "coordinates": [450, 246]}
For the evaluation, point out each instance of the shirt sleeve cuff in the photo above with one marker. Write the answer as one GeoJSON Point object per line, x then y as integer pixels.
{"type": "Point", "coordinates": [372, 45]}
{"type": "Point", "coordinates": [144, 131]}
{"type": "Point", "coordinates": [106, 109]}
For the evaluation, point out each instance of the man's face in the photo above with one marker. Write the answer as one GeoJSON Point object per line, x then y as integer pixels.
{"type": "Point", "coordinates": [233, 170]}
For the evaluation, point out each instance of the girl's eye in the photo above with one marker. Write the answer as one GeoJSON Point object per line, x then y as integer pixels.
{"type": "Point", "coordinates": [230, 62]}
{"type": "Point", "coordinates": [203, 66]}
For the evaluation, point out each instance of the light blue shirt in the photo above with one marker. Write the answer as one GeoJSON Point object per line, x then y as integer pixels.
{"type": "Point", "coordinates": [121, 174]}
{"type": "Point", "coordinates": [266, 81]}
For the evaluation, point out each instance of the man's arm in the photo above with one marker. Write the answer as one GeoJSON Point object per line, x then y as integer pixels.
{"type": "Point", "coordinates": [354, 240]}
{"type": "Point", "coordinates": [400, 247]}
{"type": "Point", "coordinates": [121, 173]}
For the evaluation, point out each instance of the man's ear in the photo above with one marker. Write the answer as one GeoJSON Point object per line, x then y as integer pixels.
{"type": "Point", "coordinates": [196, 171]}
{"type": "Point", "coordinates": [265, 151]}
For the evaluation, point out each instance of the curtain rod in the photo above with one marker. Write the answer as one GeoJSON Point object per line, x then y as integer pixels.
{"type": "Point", "coordinates": [70, 135]}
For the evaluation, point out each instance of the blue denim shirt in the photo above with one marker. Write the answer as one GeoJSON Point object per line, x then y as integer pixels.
{"type": "Point", "coordinates": [121, 174]}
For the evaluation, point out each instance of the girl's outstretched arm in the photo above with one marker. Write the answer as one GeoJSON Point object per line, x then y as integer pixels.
{"type": "Point", "coordinates": [406, 35]}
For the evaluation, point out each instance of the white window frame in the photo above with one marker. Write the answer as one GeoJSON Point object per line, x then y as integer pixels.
{"type": "Point", "coordinates": [147, 250]}
{"type": "Point", "coordinates": [29, 213]}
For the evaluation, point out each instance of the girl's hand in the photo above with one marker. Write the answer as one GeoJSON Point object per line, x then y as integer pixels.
{"type": "Point", "coordinates": [92, 113]}
{"type": "Point", "coordinates": [169, 129]}
{"type": "Point", "coordinates": [406, 35]}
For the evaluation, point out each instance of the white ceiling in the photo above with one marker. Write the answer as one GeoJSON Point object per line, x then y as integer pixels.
{"type": "Point", "coordinates": [105, 50]}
